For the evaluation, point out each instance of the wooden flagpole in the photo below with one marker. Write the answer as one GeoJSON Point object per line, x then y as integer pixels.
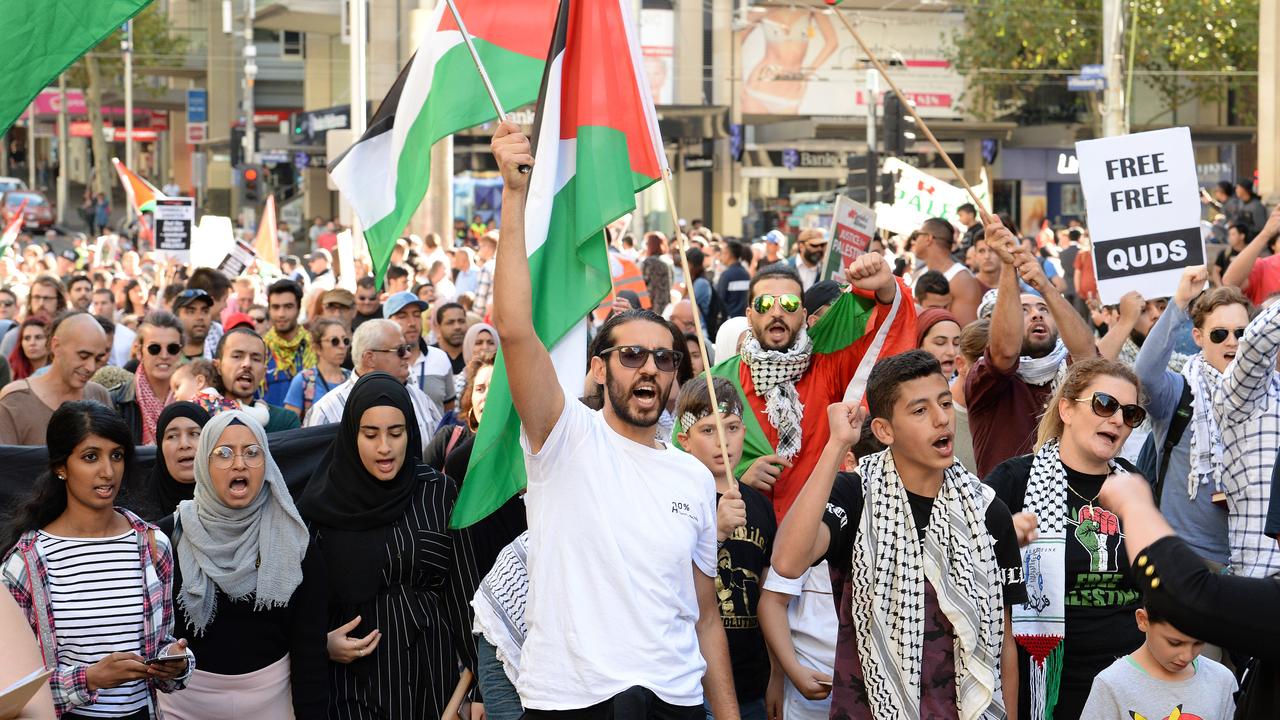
{"type": "Point", "coordinates": [459, 692]}
{"type": "Point", "coordinates": [982, 209]}
{"type": "Point", "coordinates": [682, 241]}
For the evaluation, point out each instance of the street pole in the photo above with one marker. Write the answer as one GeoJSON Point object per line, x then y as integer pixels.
{"type": "Point", "coordinates": [873, 157]}
{"type": "Point", "coordinates": [1114, 117]}
{"type": "Point", "coordinates": [250, 73]}
{"type": "Point", "coordinates": [358, 18]}
{"type": "Point", "coordinates": [127, 47]}
{"type": "Point", "coordinates": [62, 147]}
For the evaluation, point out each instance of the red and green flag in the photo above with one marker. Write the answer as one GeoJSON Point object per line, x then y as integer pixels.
{"type": "Point", "coordinates": [142, 195]}
{"type": "Point", "coordinates": [597, 144]}
{"type": "Point", "coordinates": [385, 174]}
{"type": "Point", "coordinates": [47, 36]}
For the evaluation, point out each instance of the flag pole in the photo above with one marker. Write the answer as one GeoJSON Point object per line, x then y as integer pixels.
{"type": "Point", "coordinates": [982, 209]}
{"type": "Point", "coordinates": [484, 74]}
{"type": "Point", "coordinates": [682, 241]}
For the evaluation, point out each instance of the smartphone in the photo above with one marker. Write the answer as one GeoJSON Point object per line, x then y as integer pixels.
{"type": "Point", "coordinates": [165, 659]}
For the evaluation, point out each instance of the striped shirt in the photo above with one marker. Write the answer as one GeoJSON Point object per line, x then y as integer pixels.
{"type": "Point", "coordinates": [96, 592]}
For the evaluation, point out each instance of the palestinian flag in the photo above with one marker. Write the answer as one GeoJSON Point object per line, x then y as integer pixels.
{"type": "Point", "coordinates": [142, 194]}
{"type": "Point", "coordinates": [46, 37]}
{"type": "Point", "coordinates": [597, 145]}
{"type": "Point", "coordinates": [384, 175]}
{"type": "Point", "coordinates": [12, 229]}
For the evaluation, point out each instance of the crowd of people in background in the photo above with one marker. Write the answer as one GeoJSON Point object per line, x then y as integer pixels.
{"type": "Point", "coordinates": [978, 539]}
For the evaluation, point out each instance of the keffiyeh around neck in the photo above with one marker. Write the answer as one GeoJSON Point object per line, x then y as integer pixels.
{"type": "Point", "coordinates": [1206, 440]}
{"type": "Point", "coordinates": [256, 550]}
{"type": "Point", "coordinates": [889, 568]}
{"type": "Point", "coordinates": [1042, 370]}
{"type": "Point", "coordinates": [149, 405]}
{"type": "Point", "coordinates": [774, 374]}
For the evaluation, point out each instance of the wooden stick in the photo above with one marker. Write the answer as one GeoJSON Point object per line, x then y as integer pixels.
{"type": "Point", "coordinates": [682, 241]}
{"type": "Point", "coordinates": [459, 692]}
{"type": "Point", "coordinates": [907, 104]}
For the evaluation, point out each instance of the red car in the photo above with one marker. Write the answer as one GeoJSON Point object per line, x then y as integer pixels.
{"type": "Point", "coordinates": [38, 214]}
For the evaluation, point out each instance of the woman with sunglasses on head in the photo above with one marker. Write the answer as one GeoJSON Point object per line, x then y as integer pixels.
{"type": "Point", "coordinates": [401, 581]}
{"type": "Point", "coordinates": [1184, 429]}
{"type": "Point", "coordinates": [332, 342]}
{"type": "Point", "coordinates": [94, 580]}
{"type": "Point", "coordinates": [250, 591]}
{"type": "Point", "coordinates": [140, 401]}
{"type": "Point", "coordinates": [1081, 598]}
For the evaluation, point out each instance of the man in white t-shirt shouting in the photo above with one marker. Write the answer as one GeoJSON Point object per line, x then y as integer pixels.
{"type": "Point", "coordinates": [623, 617]}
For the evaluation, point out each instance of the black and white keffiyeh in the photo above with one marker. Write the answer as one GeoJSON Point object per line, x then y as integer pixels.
{"type": "Point", "coordinates": [1051, 368]}
{"type": "Point", "coordinates": [774, 374]}
{"type": "Point", "coordinates": [1206, 440]}
{"type": "Point", "coordinates": [889, 570]}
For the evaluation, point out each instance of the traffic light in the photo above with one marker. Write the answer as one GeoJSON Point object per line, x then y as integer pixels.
{"type": "Point", "coordinates": [251, 180]}
{"type": "Point", "coordinates": [898, 126]}
{"type": "Point", "coordinates": [888, 188]}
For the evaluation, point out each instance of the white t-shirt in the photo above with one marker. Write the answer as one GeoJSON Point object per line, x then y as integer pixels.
{"type": "Point", "coordinates": [615, 530]}
{"type": "Point", "coordinates": [813, 621]}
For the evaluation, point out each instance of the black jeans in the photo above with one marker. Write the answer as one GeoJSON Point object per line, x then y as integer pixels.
{"type": "Point", "coordinates": [142, 714]}
{"type": "Point", "coordinates": [634, 703]}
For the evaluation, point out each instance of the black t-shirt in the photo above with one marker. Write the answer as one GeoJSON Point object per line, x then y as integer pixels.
{"type": "Point", "coordinates": [937, 676]}
{"type": "Point", "coordinates": [1224, 258]}
{"type": "Point", "coordinates": [1101, 595]}
{"type": "Point", "coordinates": [459, 363]}
{"type": "Point", "coordinates": [741, 562]}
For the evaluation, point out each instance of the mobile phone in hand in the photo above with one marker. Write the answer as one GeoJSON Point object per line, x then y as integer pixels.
{"type": "Point", "coordinates": [166, 659]}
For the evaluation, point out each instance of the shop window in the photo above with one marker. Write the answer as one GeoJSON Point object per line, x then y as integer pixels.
{"type": "Point", "coordinates": [293, 45]}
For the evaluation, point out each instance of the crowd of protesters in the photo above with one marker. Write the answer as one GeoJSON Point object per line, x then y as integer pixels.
{"type": "Point", "coordinates": [927, 487]}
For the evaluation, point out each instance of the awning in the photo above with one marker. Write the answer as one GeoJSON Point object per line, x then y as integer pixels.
{"type": "Point", "coordinates": [315, 16]}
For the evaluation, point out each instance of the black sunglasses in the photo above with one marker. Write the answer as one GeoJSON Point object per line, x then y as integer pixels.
{"type": "Point", "coordinates": [635, 356]}
{"type": "Point", "coordinates": [401, 351]}
{"type": "Point", "coordinates": [1105, 406]}
{"type": "Point", "coordinates": [344, 341]}
{"type": "Point", "coordinates": [1219, 335]}
{"type": "Point", "coordinates": [172, 348]}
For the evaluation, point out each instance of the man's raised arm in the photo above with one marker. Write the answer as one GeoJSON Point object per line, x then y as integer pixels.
{"type": "Point", "coordinates": [527, 361]}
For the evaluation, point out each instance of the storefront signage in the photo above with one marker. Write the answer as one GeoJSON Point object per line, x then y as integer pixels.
{"type": "Point", "coordinates": [1144, 211]}
{"type": "Point", "coordinates": [807, 159]}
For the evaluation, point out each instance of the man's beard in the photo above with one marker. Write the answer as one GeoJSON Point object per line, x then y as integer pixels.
{"type": "Point", "coordinates": [1039, 349]}
{"type": "Point", "coordinates": [619, 395]}
{"type": "Point", "coordinates": [814, 257]}
{"type": "Point", "coordinates": [764, 341]}
{"type": "Point", "coordinates": [293, 325]}
{"type": "Point", "coordinates": [1137, 337]}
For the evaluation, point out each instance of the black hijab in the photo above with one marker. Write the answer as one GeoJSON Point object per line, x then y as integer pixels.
{"type": "Point", "coordinates": [342, 494]}
{"type": "Point", "coordinates": [166, 492]}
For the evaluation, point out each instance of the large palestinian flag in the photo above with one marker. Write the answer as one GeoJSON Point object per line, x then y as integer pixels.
{"type": "Point", "coordinates": [385, 174]}
{"type": "Point", "coordinates": [596, 145]}
{"type": "Point", "coordinates": [45, 37]}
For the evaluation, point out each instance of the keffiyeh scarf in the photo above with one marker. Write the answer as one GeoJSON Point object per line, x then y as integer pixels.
{"type": "Point", "coordinates": [774, 374]}
{"type": "Point", "coordinates": [889, 569]}
{"type": "Point", "coordinates": [1042, 370]}
{"type": "Point", "coordinates": [1039, 625]}
{"type": "Point", "coordinates": [1206, 441]}
{"type": "Point", "coordinates": [149, 405]}
{"type": "Point", "coordinates": [289, 352]}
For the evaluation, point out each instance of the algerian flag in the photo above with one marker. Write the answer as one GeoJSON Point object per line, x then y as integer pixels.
{"type": "Point", "coordinates": [597, 145]}
{"type": "Point", "coordinates": [46, 36]}
{"type": "Point", "coordinates": [142, 194]}
{"type": "Point", "coordinates": [384, 175]}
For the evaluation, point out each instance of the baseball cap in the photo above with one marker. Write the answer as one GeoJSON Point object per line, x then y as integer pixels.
{"type": "Point", "coordinates": [190, 295]}
{"type": "Point", "coordinates": [235, 320]}
{"type": "Point", "coordinates": [318, 253]}
{"type": "Point", "coordinates": [400, 301]}
{"type": "Point", "coordinates": [820, 294]}
{"type": "Point", "coordinates": [775, 237]}
{"type": "Point", "coordinates": [338, 296]}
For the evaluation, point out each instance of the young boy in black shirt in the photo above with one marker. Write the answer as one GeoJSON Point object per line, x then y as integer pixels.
{"type": "Point", "coordinates": [924, 578]}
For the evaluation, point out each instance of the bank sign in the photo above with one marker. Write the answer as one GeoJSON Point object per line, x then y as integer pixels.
{"type": "Point", "coordinates": [1143, 201]}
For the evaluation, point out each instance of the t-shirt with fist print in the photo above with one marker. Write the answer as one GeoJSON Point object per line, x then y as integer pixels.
{"type": "Point", "coordinates": [1101, 594]}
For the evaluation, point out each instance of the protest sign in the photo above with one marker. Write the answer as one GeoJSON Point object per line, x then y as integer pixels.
{"type": "Point", "coordinates": [175, 218]}
{"type": "Point", "coordinates": [852, 227]}
{"type": "Point", "coordinates": [1143, 201]}
{"type": "Point", "coordinates": [919, 196]}
{"type": "Point", "coordinates": [214, 238]}
{"type": "Point", "coordinates": [236, 261]}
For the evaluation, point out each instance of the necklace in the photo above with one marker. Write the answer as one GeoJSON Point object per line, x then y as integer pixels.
{"type": "Point", "coordinates": [1088, 503]}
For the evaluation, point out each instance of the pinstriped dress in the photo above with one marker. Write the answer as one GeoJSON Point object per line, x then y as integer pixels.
{"type": "Point", "coordinates": [422, 608]}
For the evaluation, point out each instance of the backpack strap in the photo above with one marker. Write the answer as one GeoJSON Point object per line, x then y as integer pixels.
{"type": "Point", "coordinates": [453, 440]}
{"type": "Point", "coordinates": [1177, 428]}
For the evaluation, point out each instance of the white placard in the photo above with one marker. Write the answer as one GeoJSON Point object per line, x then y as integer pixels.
{"type": "Point", "coordinates": [1143, 202]}
{"type": "Point", "coordinates": [853, 225]}
{"type": "Point", "coordinates": [175, 218]}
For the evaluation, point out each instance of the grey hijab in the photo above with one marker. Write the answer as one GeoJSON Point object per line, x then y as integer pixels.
{"type": "Point", "coordinates": [256, 550]}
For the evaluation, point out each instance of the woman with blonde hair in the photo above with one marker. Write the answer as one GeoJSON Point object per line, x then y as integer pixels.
{"type": "Point", "coordinates": [1081, 598]}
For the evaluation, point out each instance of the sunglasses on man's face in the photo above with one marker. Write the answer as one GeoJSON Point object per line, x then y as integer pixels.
{"type": "Point", "coordinates": [171, 348]}
{"type": "Point", "coordinates": [764, 303]}
{"type": "Point", "coordinates": [401, 351]}
{"type": "Point", "coordinates": [1105, 406]}
{"type": "Point", "coordinates": [635, 357]}
{"type": "Point", "coordinates": [1219, 335]}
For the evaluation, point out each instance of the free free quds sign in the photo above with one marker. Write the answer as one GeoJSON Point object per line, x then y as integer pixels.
{"type": "Point", "coordinates": [1143, 201]}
